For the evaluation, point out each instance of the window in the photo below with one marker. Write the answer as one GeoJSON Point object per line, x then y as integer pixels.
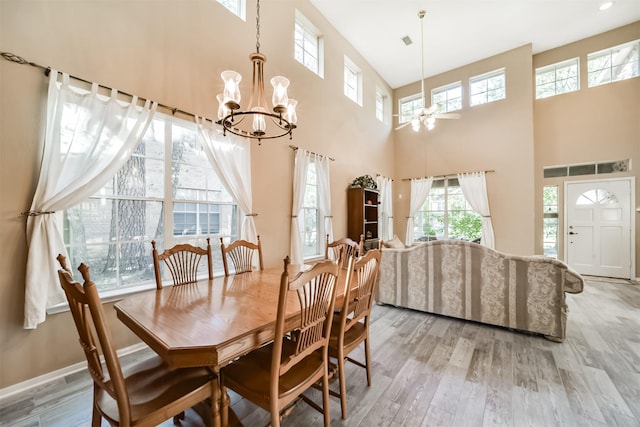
{"type": "Point", "coordinates": [313, 230]}
{"type": "Point", "coordinates": [409, 107]}
{"type": "Point", "coordinates": [550, 226]}
{"type": "Point", "coordinates": [352, 81]}
{"type": "Point", "coordinates": [308, 45]}
{"type": "Point", "coordinates": [237, 7]}
{"type": "Point", "coordinates": [487, 87]}
{"type": "Point", "coordinates": [617, 63]}
{"type": "Point", "coordinates": [556, 79]}
{"type": "Point", "coordinates": [380, 101]}
{"type": "Point", "coordinates": [446, 214]}
{"type": "Point", "coordinates": [169, 172]}
{"type": "Point", "coordinates": [449, 98]}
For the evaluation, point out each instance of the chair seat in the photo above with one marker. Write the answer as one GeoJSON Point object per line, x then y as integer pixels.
{"type": "Point", "coordinates": [250, 374]}
{"type": "Point", "coordinates": [354, 336]}
{"type": "Point", "coordinates": [152, 386]}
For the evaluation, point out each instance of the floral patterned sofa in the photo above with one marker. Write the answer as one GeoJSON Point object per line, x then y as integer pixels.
{"type": "Point", "coordinates": [470, 281]}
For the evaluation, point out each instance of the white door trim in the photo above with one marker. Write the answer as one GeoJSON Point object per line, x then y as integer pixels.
{"type": "Point", "coordinates": [632, 207]}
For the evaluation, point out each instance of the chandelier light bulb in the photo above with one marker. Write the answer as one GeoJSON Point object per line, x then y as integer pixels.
{"type": "Point", "coordinates": [259, 124]}
{"type": "Point", "coordinates": [292, 116]}
{"type": "Point", "coordinates": [231, 89]}
{"type": "Point", "coordinates": [223, 111]}
{"type": "Point", "coordinates": [280, 100]}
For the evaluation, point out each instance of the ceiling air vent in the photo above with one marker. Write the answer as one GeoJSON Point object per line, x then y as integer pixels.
{"type": "Point", "coordinates": [407, 40]}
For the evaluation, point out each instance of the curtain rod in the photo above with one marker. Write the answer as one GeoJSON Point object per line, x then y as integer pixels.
{"type": "Point", "coordinates": [294, 148]}
{"type": "Point", "coordinates": [20, 60]}
{"type": "Point", "coordinates": [379, 174]}
{"type": "Point", "coordinates": [451, 175]}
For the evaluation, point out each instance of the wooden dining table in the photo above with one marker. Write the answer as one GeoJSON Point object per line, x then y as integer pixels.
{"type": "Point", "coordinates": [211, 322]}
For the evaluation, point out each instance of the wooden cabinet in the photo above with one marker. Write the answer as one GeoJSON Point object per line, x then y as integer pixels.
{"type": "Point", "coordinates": [362, 216]}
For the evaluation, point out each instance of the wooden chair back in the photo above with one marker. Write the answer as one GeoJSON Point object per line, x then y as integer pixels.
{"type": "Point", "coordinates": [86, 309]}
{"type": "Point", "coordinates": [182, 261]}
{"type": "Point", "coordinates": [342, 249]}
{"type": "Point", "coordinates": [241, 253]}
{"type": "Point", "coordinates": [358, 297]}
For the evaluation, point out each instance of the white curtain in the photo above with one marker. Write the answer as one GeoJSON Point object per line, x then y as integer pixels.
{"type": "Point", "coordinates": [302, 159]}
{"type": "Point", "coordinates": [324, 193]}
{"type": "Point", "coordinates": [419, 192]}
{"type": "Point", "coordinates": [230, 157]}
{"type": "Point", "coordinates": [385, 185]}
{"type": "Point", "coordinates": [474, 188]}
{"type": "Point", "coordinates": [88, 138]}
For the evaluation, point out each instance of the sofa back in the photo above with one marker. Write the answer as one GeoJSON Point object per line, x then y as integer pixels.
{"type": "Point", "coordinates": [470, 281]}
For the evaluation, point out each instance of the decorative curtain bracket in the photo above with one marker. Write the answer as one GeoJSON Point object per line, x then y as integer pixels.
{"type": "Point", "coordinates": [36, 213]}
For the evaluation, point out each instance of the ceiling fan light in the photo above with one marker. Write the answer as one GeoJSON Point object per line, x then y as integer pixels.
{"type": "Point", "coordinates": [415, 124]}
{"type": "Point", "coordinates": [431, 120]}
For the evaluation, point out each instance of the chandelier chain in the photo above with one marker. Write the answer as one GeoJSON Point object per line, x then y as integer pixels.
{"type": "Point", "coordinates": [258, 27]}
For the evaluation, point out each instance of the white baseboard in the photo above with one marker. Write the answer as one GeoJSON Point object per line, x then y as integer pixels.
{"type": "Point", "coordinates": [11, 390]}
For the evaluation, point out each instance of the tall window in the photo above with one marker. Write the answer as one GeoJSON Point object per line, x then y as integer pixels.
{"type": "Point", "coordinates": [166, 192]}
{"type": "Point", "coordinates": [487, 87]}
{"type": "Point", "coordinates": [409, 107]}
{"type": "Point", "coordinates": [449, 98]}
{"type": "Point", "coordinates": [446, 214]}
{"type": "Point", "coordinates": [237, 7]}
{"type": "Point", "coordinates": [308, 45]}
{"type": "Point", "coordinates": [555, 79]}
{"type": "Point", "coordinates": [380, 101]}
{"type": "Point", "coordinates": [313, 229]}
{"type": "Point", "coordinates": [617, 63]}
{"type": "Point", "coordinates": [352, 81]}
{"type": "Point", "coordinates": [550, 226]}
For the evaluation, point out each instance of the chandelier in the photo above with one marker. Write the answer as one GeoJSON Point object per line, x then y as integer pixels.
{"type": "Point", "coordinates": [258, 121]}
{"type": "Point", "coordinates": [425, 117]}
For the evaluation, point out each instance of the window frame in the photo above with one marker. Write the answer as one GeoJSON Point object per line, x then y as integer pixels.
{"type": "Point", "coordinates": [381, 107]}
{"type": "Point", "coordinates": [168, 129]}
{"type": "Point", "coordinates": [593, 56]}
{"type": "Point", "coordinates": [446, 210]}
{"type": "Point", "coordinates": [239, 9]}
{"type": "Point", "coordinates": [417, 104]}
{"type": "Point", "coordinates": [306, 209]}
{"type": "Point", "coordinates": [352, 81]}
{"type": "Point", "coordinates": [555, 67]}
{"type": "Point", "coordinates": [487, 77]}
{"type": "Point", "coordinates": [309, 32]}
{"type": "Point", "coordinates": [447, 89]}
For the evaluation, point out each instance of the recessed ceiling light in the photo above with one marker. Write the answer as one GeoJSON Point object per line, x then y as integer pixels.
{"type": "Point", "coordinates": [606, 5]}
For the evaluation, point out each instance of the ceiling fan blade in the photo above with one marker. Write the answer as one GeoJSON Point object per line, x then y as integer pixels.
{"type": "Point", "coordinates": [403, 125]}
{"type": "Point", "coordinates": [447, 116]}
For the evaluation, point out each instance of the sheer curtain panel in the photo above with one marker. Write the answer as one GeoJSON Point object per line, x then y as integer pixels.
{"type": "Point", "coordinates": [88, 138]}
{"type": "Point", "coordinates": [474, 188]}
{"type": "Point", "coordinates": [302, 159]}
{"type": "Point", "coordinates": [230, 157]}
{"type": "Point", "coordinates": [324, 193]}
{"type": "Point", "coordinates": [420, 189]}
{"type": "Point", "coordinates": [386, 207]}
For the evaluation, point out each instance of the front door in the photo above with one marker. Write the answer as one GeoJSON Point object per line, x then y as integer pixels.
{"type": "Point", "coordinates": [598, 227]}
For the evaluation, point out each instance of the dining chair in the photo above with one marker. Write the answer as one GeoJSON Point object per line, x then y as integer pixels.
{"type": "Point", "coordinates": [276, 375]}
{"type": "Point", "coordinates": [241, 253]}
{"type": "Point", "coordinates": [351, 325]}
{"type": "Point", "coordinates": [343, 248]}
{"type": "Point", "coordinates": [182, 261]}
{"type": "Point", "coordinates": [151, 392]}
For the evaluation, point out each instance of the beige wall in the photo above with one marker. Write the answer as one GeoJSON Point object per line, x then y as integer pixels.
{"type": "Point", "coordinates": [496, 136]}
{"type": "Point", "coordinates": [171, 52]}
{"type": "Point", "coordinates": [590, 125]}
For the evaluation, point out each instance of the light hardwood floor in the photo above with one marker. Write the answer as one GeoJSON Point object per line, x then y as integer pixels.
{"type": "Point", "coordinates": [435, 371]}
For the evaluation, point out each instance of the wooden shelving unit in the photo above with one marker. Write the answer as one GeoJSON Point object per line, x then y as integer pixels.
{"type": "Point", "coordinates": [362, 216]}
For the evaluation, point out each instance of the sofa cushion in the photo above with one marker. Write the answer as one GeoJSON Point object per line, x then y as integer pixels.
{"type": "Point", "coordinates": [394, 243]}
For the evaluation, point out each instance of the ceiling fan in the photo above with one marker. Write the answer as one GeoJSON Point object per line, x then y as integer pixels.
{"type": "Point", "coordinates": [425, 116]}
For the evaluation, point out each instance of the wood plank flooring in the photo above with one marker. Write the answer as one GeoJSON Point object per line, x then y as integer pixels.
{"type": "Point", "coordinates": [435, 371]}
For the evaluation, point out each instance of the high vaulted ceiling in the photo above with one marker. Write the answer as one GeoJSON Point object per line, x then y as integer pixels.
{"type": "Point", "coordinates": [459, 32]}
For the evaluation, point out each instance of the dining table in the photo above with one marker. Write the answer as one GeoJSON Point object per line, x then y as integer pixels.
{"type": "Point", "coordinates": [212, 322]}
